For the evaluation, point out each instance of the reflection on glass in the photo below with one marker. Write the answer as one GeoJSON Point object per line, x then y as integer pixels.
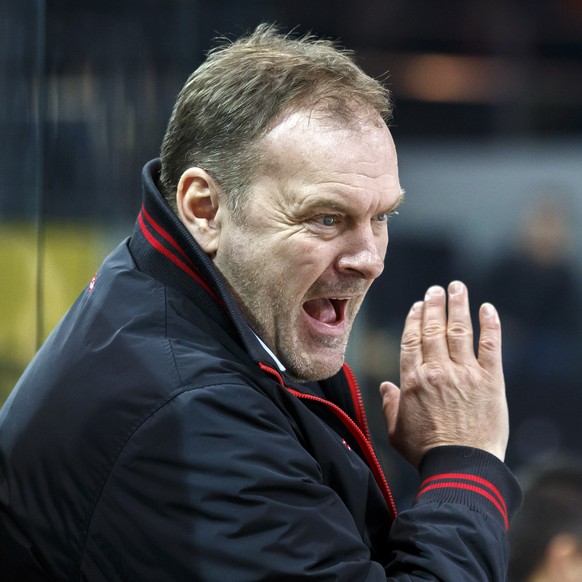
{"type": "Point", "coordinates": [87, 88]}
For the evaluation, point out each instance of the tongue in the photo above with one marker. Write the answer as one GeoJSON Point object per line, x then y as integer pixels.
{"type": "Point", "coordinates": [321, 309]}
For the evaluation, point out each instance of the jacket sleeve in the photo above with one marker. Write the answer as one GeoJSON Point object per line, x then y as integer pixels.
{"type": "Point", "coordinates": [216, 486]}
{"type": "Point", "coordinates": [457, 527]}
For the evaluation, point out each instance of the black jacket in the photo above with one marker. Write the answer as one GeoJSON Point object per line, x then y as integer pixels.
{"type": "Point", "coordinates": [153, 438]}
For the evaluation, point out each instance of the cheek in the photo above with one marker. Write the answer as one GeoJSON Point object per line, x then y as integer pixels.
{"type": "Point", "coordinates": [314, 263]}
{"type": "Point", "coordinates": [297, 270]}
{"type": "Point", "coordinates": [301, 256]}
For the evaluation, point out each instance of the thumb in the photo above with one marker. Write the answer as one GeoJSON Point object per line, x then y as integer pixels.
{"type": "Point", "coordinates": [390, 403]}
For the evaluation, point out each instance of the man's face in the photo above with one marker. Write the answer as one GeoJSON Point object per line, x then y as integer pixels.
{"type": "Point", "coordinates": [312, 238]}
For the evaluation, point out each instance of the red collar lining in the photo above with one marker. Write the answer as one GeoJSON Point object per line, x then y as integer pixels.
{"type": "Point", "coordinates": [169, 254]}
{"type": "Point", "coordinates": [355, 430]}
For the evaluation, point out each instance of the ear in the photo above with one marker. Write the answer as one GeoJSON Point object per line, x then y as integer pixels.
{"type": "Point", "coordinates": [197, 199]}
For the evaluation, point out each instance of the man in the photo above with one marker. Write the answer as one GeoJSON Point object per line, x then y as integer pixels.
{"type": "Point", "coordinates": [546, 536]}
{"type": "Point", "coordinates": [191, 418]}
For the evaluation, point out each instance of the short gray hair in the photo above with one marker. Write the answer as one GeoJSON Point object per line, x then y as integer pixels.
{"type": "Point", "coordinates": [233, 98]}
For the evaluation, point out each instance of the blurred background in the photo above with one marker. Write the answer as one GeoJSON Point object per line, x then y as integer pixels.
{"type": "Point", "coordinates": [488, 126]}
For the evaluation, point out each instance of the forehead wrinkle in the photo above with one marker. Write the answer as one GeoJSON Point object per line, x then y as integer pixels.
{"type": "Point", "coordinates": [295, 127]}
{"type": "Point", "coordinates": [344, 204]}
{"type": "Point", "coordinates": [298, 163]}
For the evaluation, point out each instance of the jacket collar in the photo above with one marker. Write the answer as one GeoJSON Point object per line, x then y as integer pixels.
{"type": "Point", "coordinates": [163, 248]}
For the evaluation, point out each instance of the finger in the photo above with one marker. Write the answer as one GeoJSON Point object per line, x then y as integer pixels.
{"type": "Point", "coordinates": [459, 327]}
{"type": "Point", "coordinates": [489, 353]}
{"type": "Point", "coordinates": [434, 326]}
{"type": "Point", "coordinates": [411, 344]}
{"type": "Point", "coordinates": [390, 403]}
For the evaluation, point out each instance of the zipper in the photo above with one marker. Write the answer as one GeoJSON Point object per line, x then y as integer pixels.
{"type": "Point", "coordinates": [358, 401]}
{"type": "Point", "coordinates": [361, 435]}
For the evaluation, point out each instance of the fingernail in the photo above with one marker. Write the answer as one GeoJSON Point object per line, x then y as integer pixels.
{"type": "Point", "coordinates": [434, 291]}
{"type": "Point", "coordinates": [416, 306]}
{"type": "Point", "coordinates": [488, 310]}
{"type": "Point", "coordinates": [455, 288]}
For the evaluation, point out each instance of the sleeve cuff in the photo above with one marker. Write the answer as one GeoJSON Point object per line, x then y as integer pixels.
{"type": "Point", "coordinates": [472, 477]}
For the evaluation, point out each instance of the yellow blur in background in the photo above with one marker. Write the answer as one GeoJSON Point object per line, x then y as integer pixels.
{"type": "Point", "coordinates": [35, 295]}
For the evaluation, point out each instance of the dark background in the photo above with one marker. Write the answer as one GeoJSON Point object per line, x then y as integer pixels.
{"type": "Point", "coordinates": [487, 122]}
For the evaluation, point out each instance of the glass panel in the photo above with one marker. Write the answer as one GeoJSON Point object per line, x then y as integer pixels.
{"type": "Point", "coordinates": [21, 169]}
{"type": "Point", "coordinates": [87, 91]}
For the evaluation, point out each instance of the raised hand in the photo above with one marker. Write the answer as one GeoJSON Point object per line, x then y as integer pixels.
{"type": "Point", "coordinates": [447, 395]}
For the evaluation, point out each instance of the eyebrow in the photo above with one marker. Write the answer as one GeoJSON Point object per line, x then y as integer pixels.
{"type": "Point", "coordinates": [399, 201]}
{"type": "Point", "coordinates": [341, 207]}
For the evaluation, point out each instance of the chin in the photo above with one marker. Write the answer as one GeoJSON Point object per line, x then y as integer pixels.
{"type": "Point", "coordinates": [312, 369]}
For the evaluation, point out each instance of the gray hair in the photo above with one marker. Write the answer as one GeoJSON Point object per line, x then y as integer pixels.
{"type": "Point", "coordinates": [242, 88]}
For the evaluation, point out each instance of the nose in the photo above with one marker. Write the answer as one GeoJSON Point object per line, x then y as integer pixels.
{"type": "Point", "coordinates": [364, 254]}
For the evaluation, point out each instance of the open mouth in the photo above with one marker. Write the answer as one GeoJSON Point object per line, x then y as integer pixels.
{"type": "Point", "coordinates": [326, 309]}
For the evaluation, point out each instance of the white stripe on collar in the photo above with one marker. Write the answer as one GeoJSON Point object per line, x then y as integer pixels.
{"type": "Point", "coordinates": [279, 364]}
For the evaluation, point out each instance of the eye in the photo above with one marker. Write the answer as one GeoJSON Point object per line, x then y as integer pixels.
{"type": "Point", "coordinates": [328, 220]}
{"type": "Point", "coordinates": [385, 216]}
